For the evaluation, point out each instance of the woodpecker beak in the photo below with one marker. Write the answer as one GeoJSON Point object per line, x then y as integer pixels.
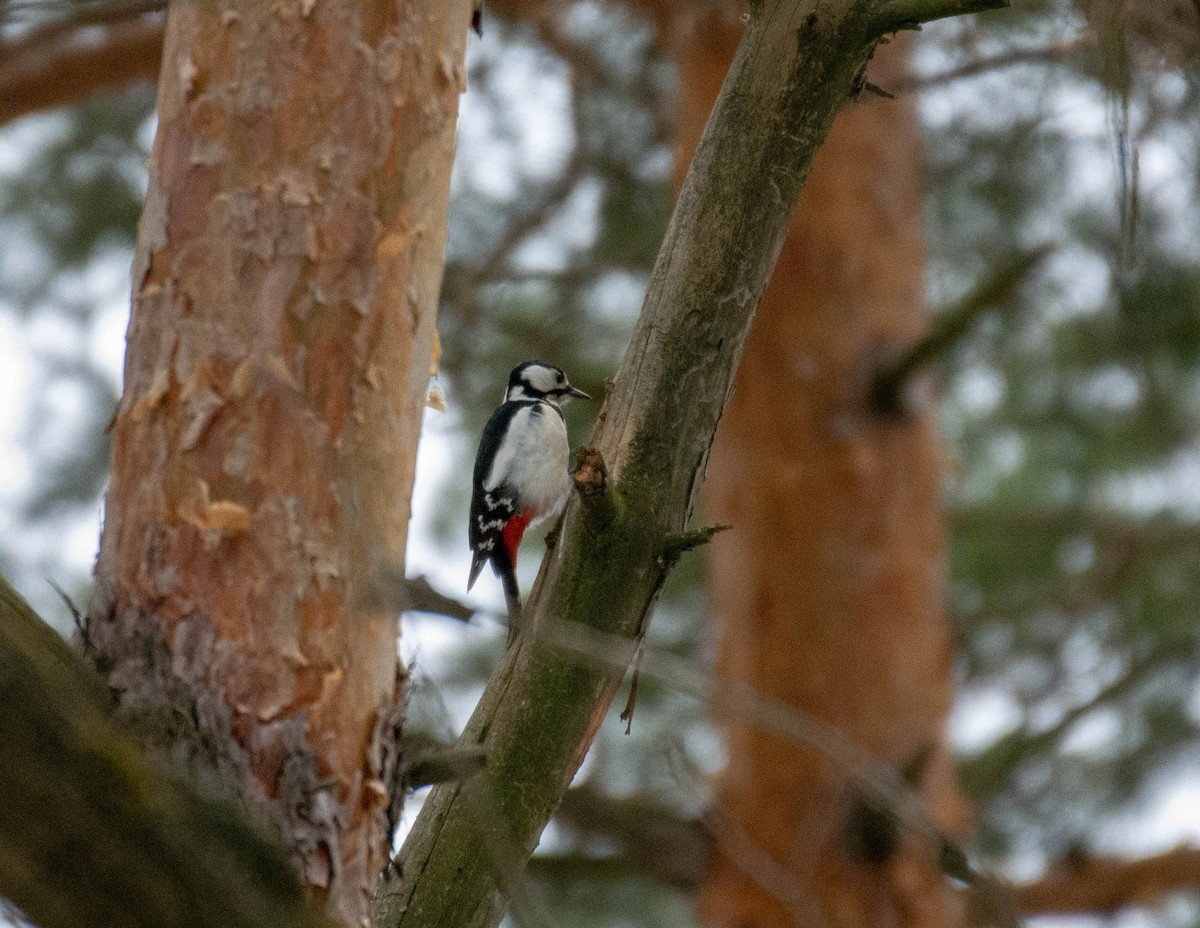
{"type": "Point", "coordinates": [575, 391]}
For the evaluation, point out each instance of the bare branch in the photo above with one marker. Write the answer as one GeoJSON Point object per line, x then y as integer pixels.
{"type": "Point", "coordinates": [912, 14]}
{"type": "Point", "coordinates": [427, 764]}
{"type": "Point", "coordinates": [390, 590]}
{"type": "Point", "coordinates": [681, 542]}
{"type": "Point", "coordinates": [888, 391]}
{"type": "Point", "coordinates": [1103, 885]}
{"type": "Point", "coordinates": [654, 840]}
{"type": "Point", "coordinates": [52, 66]}
{"type": "Point", "coordinates": [1055, 53]}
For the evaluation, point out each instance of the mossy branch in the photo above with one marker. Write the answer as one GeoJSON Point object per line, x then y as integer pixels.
{"type": "Point", "coordinates": [90, 833]}
{"type": "Point", "coordinates": [469, 846]}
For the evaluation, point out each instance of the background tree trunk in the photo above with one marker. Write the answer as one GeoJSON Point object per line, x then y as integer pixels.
{"type": "Point", "coordinates": [828, 593]}
{"type": "Point", "coordinates": [284, 302]}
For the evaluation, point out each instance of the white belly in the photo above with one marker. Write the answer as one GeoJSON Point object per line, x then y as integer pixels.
{"type": "Point", "coordinates": [534, 461]}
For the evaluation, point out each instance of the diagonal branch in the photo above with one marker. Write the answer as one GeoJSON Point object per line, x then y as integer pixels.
{"type": "Point", "coordinates": [1055, 53]}
{"type": "Point", "coordinates": [540, 711]}
{"type": "Point", "coordinates": [889, 387]}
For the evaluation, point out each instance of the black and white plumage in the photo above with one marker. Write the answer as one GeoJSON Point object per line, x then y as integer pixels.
{"type": "Point", "coordinates": [520, 472]}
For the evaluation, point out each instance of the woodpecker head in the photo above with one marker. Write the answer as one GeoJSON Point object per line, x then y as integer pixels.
{"type": "Point", "coordinates": [537, 380]}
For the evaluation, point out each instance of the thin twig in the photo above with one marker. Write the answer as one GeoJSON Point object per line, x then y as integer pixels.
{"type": "Point", "coordinates": [875, 778]}
{"type": "Point", "coordinates": [999, 763]}
{"type": "Point", "coordinates": [631, 702]}
{"type": "Point", "coordinates": [390, 590]}
{"type": "Point", "coordinates": [1048, 54]}
{"type": "Point", "coordinates": [890, 383]}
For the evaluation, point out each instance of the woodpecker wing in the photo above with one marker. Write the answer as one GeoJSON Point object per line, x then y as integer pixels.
{"type": "Point", "coordinates": [490, 515]}
{"type": "Point", "coordinates": [491, 506]}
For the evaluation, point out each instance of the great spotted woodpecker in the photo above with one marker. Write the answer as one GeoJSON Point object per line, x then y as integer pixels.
{"type": "Point", "coordinates": [520, 473]}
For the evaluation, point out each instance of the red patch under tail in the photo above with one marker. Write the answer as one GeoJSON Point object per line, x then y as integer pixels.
{"type": "Point", "coordinates": [514, 530]}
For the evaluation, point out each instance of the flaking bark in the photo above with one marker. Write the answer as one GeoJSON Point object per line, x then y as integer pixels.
{"type": "Point", "coordinates": [284, 301]}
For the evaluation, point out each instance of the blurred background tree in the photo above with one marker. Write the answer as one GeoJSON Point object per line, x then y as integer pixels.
{"type": "Point", "coordinates": [1068, 414]}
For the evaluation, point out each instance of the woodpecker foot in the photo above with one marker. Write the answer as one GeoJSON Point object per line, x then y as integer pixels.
{"type": "Point", "coordinates": [555, 533]}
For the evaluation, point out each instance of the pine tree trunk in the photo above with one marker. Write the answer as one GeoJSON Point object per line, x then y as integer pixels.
{"type": "Point", "coordinates": [828, 593]}
{"type": "Point", "coordinates": [285, 292]}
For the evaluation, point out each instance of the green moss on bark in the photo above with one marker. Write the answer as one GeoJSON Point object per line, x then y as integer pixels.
{"type": "Point", "coordinates": [90, 833]}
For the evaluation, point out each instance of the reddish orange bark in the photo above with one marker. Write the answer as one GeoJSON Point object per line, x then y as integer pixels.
{"type": "Point", "coordinates": [284, 304]}
{"type": "Point", "coordinates": [828, 593]}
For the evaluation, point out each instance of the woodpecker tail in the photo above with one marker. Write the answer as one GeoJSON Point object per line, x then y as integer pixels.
{"type": "Point", "coordinates": [503, 569]}
{"type": "Point", "coordinates": [477, 563]}
{"type": "Point", "coordinates": [512, 594]}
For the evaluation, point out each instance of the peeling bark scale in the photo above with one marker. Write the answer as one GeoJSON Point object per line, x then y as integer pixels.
{"type": "Point", "coordinates": [285, 292]}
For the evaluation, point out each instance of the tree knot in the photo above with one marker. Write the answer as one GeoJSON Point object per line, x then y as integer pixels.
{"type": "Point", "coordinates": [601, 503]}
{"type": "Point", "coordinates": [590, 474]}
